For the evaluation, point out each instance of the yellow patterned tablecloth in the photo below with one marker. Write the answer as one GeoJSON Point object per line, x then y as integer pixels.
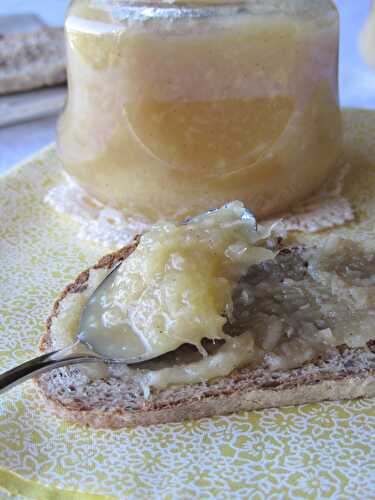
{"type": "Point", "coordinates": [313, 451]}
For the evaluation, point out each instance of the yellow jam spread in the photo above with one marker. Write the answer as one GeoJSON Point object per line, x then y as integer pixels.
{"type": "Point", "coordinates": [175, 109]}
{"type": "Point", "coordinates": [176, 287]}
{"type": "Point", "coordinates": [286, 311]}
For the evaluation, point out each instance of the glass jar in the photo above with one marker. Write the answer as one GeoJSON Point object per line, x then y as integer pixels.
{"type": "Point", "coordinates": [175, 108]}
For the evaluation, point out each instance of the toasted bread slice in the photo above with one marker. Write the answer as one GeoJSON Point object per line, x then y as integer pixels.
{"type": "Point", "coordinates": [32, 60]}
{"type": "Point", "coordinates": [341, 373]}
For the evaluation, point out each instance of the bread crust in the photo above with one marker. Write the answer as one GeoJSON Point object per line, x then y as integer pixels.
{"type": "Point", "coordinates": [342, 373]}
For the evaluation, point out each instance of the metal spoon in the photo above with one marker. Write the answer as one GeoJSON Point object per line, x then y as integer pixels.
{"type": "Point", "coordinates": [70, 355]}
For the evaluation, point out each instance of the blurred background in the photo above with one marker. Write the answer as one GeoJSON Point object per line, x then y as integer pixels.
{"type": "Point", "coordinates": [17, 141]}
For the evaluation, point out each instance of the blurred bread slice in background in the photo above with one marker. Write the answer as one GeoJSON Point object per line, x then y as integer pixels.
{"type": "Point", "coordinates": [32, 55]}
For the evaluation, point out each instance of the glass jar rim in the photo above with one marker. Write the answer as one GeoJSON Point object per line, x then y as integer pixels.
{"type": "Point", "coordinates": [260, 5]}
{"type": "Point", "coordinates": [202, 8]}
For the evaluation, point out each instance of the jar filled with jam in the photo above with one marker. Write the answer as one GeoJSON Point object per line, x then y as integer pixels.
{"type": "Point", "coordinates": [180, 106]}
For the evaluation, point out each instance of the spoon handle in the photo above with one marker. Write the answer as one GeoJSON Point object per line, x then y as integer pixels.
{"type": "Point", "coordinates": [41, 364]}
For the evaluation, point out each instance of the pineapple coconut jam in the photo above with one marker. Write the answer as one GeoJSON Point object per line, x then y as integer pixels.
{"type": "Point", "coordinates": [175, 108]}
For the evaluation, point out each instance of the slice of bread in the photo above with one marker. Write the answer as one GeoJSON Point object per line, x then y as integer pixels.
{"type": "Point", "coordinates": [341, 373]}
{"type": "Point", "coordinates": [32, 60]}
